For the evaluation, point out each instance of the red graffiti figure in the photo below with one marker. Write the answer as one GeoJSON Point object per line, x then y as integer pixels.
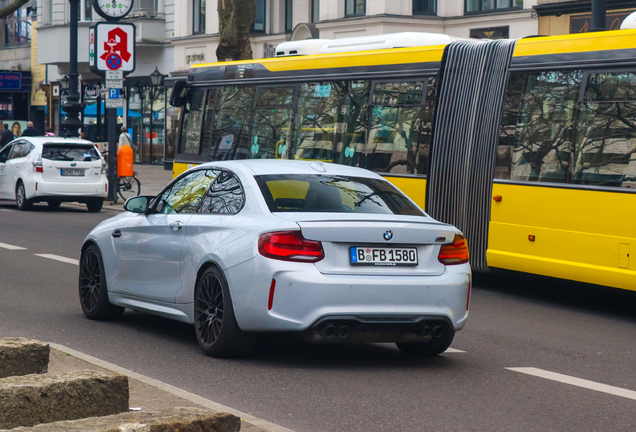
{"type": "Point", "coordinates": [116, 49]}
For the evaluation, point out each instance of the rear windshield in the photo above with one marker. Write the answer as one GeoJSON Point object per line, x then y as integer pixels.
{"type": "Point", "coordinates": [66, 152]}
{"type": "Point", "coordinates": [333, 194]}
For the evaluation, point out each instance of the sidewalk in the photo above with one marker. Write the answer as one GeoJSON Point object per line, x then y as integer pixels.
{"type": "Point", "coordinates": [153, 179]}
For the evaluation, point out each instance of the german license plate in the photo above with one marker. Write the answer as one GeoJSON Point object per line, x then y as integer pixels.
{"type": "Point", "coordinates": [72, 172]}
{"type": "Point", "coordinates": [383, 256]}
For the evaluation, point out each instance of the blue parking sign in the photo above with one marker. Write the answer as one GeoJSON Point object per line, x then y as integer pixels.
{"type": "Point", "coordinates": [113, 93]}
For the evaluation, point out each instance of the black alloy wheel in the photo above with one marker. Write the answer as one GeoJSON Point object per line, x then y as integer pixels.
{"type": "Point", "coordinates": [92, 287]}
{"type": "Point", "coordinates": [20, 197]}
{"type": "Point", "coordinates": [215, 325]}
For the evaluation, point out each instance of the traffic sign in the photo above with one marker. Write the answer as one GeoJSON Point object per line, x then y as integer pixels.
{"type": "Point", "coordinates": [112, 49]}
{"type": "Point", "coordinates": [114, 103]}
{"type": "Point", "coordinates": [113, 93]}
{"type": "Point", "coordinates": [114, 84]}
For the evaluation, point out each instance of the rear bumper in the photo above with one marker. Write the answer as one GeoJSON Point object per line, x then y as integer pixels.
{"type": "Point", "coordinates": [69, 191]}
{"type": "Point", "coordinates": [304, 297]}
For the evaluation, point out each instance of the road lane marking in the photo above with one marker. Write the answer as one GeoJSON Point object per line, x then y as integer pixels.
{"type": "Point", "coordinates": [453, 350]}
{"type": "Point", "coordinates": [8, 211]}
{"type": "Point", "coordinates": [59, 258]}
{"type": "Point", "coordinates": [269, 427]}
{"type": "Point", "coordinates": [11, 247]}
{"type": "Point", "coordinates": [578, 382]}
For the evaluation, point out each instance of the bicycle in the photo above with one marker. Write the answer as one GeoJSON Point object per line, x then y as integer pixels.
{"type": "Point", "coordinates": [127, 187]}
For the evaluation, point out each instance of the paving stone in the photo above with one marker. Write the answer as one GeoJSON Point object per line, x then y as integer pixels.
{"type": "Point", "coordinates": [177, 419]}
{"type": "Point", "coordinates": [33, 399]}
{"type": "Point", "coordinates": [20, 356]}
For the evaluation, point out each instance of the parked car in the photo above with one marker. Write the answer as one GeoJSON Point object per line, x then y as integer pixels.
{"type": "Point", "coordinates": [52, 170]}
{"type": "Point", "coordinates": [334, 252]}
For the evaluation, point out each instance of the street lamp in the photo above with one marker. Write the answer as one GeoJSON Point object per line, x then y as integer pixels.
{"type": "Point", "coordinates": [64, 83]}
{"type": "Point", "coordinates": [72, 106]}
{"type": "Point", "coordinates": [156, 79]}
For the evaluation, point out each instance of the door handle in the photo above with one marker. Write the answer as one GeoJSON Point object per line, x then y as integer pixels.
{"type": "Point", "coordinates": [117, 233]}
{"type": "Point", "coordinates": [176, 226]}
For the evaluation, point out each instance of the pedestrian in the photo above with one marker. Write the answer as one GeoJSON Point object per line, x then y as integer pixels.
{"type": "Point", "coordinates": [6, 136]}
{"type": "Point", "coordinates": [30, 131]}
{"type": "Point", "coordinates": [124, 138]}
{"type": "Point", "coordinates": [17, 130]}
{"type": "Point", "coordinates": [83, 135]}
{"type": "Point", "coordinates": [49, 132]}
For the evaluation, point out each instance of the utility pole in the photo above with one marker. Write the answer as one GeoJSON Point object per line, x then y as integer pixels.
{"type": "Point", "coordinates": [599, 15]}
{"type": "Point", "coordinates": [72, 106]}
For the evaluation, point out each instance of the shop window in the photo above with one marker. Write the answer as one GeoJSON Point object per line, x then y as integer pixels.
{"type": "Point", "coordinates": [198, 16]}
{"type": "Point", "coordinates": [15, 28]}
{"type": "Point", "coordinates": [490, 33]}
{"type": "Point", "coordinates": [424, 7]}
{"type": "Point", "coordinates": [259, 20]}
{"type": "Point", "coordinates": [476, 6]}
{"type": "Point", "coordinates": [355, 7]}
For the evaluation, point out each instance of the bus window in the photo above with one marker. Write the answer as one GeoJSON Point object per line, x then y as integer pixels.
{"type": "Point", "coordinates": [272, 123]}
{"type": "Point", "coordinates": [394, 127]}
{"type": "Point", "coordinates": [605, 149]}
{"type": "Point", "coordinates": [191, 130]}
{"type": "Point", "coordinates": [207, 135]}
{"type": "Point", "coordinates": [426, 128]}
{"type": "Point", "coordinates": [317, 121]}
{"type": "Point", "coordinates": [231, 134]}
{"type": "Point", "coordinates": [510, 115]}
{"type": "Point", "coordinates": [545, 133]}
{"type": "Point", "coordinates": [352, 126]}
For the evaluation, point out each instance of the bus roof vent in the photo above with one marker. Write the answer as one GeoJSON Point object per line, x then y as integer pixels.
{"type": "Point", "coordinates": [363, 43]}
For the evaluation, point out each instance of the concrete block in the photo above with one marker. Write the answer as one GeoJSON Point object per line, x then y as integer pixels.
{"type": "Point", "coordinates": [33, 399]}
{"type": "Point", "coordinates": [20, 356]}
{"type": "Point", "coordinates": [167, 420]}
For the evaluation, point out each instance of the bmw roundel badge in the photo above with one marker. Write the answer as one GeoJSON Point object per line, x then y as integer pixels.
{"type": "Point", "coordinates": [388, 235]}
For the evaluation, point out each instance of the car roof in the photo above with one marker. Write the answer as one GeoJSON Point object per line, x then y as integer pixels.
{"type": "Point", "coordinates": [281, 166]}
{"type": "Point", "coordinates": [54, 140]}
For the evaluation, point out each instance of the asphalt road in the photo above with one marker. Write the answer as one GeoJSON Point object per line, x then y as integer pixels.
{"type": "Point", "coordinates": [516, 321]}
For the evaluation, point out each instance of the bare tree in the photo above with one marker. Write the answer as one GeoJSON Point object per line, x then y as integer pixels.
{"type": "Point", "coordinates": [235, 21]}
{"type": "Point", "coordinates": [14, 6]}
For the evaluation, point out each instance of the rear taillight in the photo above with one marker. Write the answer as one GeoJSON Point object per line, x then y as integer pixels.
{"type": "Point", "coordinates": [455, 252]}
{"type": "Point", "coordinates": [104, 167]}
{"type": "Point", "coordinates": [37, 165]}
{"type": "Point", "coordinates": [290, 246]}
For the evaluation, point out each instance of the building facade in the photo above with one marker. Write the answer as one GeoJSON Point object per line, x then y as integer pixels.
{"type": "Point", "coordinates": [145, 110]}
{"type": "Point", "coordinates": [558, 17]}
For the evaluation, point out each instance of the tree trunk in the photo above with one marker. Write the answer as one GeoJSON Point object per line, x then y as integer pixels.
{"type": "Point", "coordinates": [235, 20]}
{"type": "Point", "coordinates": [17, 4]}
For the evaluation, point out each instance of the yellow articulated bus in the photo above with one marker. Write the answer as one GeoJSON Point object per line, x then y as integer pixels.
{"type": "Point", "coordinates": [528, 146]}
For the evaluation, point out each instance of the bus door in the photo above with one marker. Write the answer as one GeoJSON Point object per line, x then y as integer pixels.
{"type": "Point", "coordinates": [273, 117]}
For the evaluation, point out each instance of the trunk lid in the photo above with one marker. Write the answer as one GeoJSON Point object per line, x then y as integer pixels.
{"type": "Point", "coordinates": [339, 233]}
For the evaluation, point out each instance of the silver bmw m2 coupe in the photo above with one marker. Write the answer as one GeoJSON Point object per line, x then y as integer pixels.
{"type": "Point", "coordinates": [332, 252]}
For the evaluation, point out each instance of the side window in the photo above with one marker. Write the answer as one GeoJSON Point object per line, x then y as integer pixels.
{"type": "Point", "coordinates": [20, 150]}
{"type": "Point", "coordinates": [185, 195]}
{"type": "Point", "coordinates": [192, 118]}
{"type": "Point", "coordinates": [234, 119]}
{"type": "Point", "coordinates": [4, 154]}
{"type": "Point", "coordinates": [226, 196]}
{"type": "Point", "coordinates": [510, 116]}
{"type": "Point", "coordinates": [396, 116]}
{"type": "Point", "coordinates": [352, 128]}
{"type": "Point", "coordinates": [545, 130]}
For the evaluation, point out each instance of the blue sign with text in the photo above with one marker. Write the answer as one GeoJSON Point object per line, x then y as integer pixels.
{"type": "Point", "coordinates": [10, 81]}
{"type": "Point", "coordinates": [113, 93]}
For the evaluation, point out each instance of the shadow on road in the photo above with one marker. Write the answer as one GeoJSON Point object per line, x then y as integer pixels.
{"type": "Point", "coordinates": [43, 208]}
{"type": "Point", "coordinates": [562, 293]}
{"type": "Point", "coordinates": [289, 350]}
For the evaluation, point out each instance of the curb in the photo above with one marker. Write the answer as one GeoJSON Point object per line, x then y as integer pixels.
{"type": "Point", "coordinates": [264, 424]}
{"type": "Point", "coordinates": [107, 206]}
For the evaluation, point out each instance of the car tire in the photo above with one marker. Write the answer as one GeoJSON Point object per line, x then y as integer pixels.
{"type": "Point", "coordinates": [20, 197]}
{"type": "Point", "coordinates": [217, 331]}
{"type": "Point", "coordinates": [435, 346]}
{"type": "Point", "coordinates": [92, 287]}
{"type": "Point", "coordinates": [95, 205]}
{"type": "Point", "coordinates": [54, 205]}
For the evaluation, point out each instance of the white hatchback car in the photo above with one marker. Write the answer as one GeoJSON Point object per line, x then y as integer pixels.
{"type": "Point", "coordinates": [336, 253]}
{"type": "Point", "coordinates": [54, 170]}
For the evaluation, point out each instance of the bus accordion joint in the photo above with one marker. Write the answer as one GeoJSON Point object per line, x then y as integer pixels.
{"type": "Point", "coordinates": [497, 198]}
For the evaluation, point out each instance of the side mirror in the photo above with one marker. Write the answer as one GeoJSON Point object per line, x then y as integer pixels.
{"type": "Point", "coordinates": [178, 98]}
{"type": "Point", "coordinates": [138, 204]}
